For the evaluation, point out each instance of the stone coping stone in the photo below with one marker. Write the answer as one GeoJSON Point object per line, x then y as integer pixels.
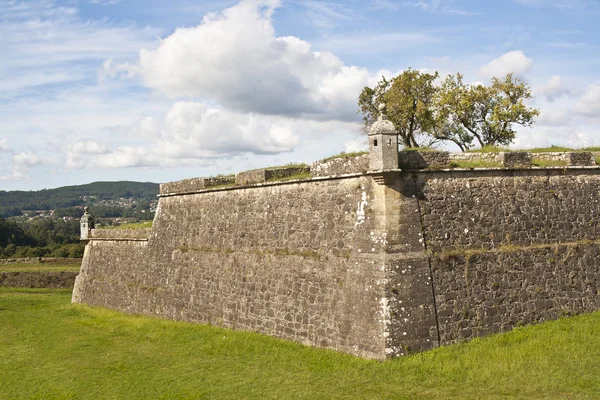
{"type": "Point", "coordinates": [414, 159]}
{"type": "Point", "coordinates": [195, 184]}
{"type": "Point", "coordinates": [266, 174]}
{"type": "Point", "coordinates": [341, 166]}
{"type": "Point", "coordinates": [121, 234]}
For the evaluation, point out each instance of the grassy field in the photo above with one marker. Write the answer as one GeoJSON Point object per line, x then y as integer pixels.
{"type": "Point", "coordinates": [51, 349]}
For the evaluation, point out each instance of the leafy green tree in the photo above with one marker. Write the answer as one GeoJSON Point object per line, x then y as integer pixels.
{"type": "Point", "coordinates": [485, 114]}
{"type": "Point", "coordinates": [409, 100]}
{"type": "Point", "coordinates": [425, 114]}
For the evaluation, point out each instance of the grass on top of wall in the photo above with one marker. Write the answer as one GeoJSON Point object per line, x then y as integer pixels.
{"type": "Point", "coordinates": [50, 348]}
{"type": "Point", "coordinates": [300, 175]}
{"type": "Point", "coordinates": [343, 154]}
{"type": "Point", "coordinates": [134, 225]}
{"type": "Point", "coordinates": [490, 149]}
{"type": "Point", "coordinates": [540, 162]}
{"type": "Point", "coordinates": [550, 149]}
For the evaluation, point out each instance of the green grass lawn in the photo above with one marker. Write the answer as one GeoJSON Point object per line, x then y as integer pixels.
{"type": "Point", "coordinates": [51, 349]}
{"type": "Point", "coordinates": [43, 267]}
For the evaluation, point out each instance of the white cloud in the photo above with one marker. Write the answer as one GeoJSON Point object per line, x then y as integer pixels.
{"type": "Point", "coordinates": [355, 145]}
{"type": "Point", "coordinates": [512, 62]}
{"type": "Point", "coordinates": [555, 118]}
{"type": "Point", "coordinates": [589, 102]}
{"type": "Point", "coordinates": [190, 132]}
{"type": "Point", "coordinates": [235, 58]}
{"type": "Point", "coordinates": [552, 89]}
{"type": "Point", "coordinates": [87, 147]}
{"type": "Point", "coordinates": [4, 145]}
{"type": "Point", "coordinates": [21, 166]}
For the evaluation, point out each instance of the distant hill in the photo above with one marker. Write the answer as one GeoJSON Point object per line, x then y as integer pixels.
{"type": "Point", "coordinates": [12, 202]}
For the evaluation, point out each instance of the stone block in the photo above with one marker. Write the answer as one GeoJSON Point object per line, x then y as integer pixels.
{"type": "Point", "coordinates": [415, 159]}
{"type": "Point", "coordinates": [195, 184]}
{"type": "Point", "coordinates": [268, 174]}
{"type": "Point", "coordinates": [581, 158]}
{"type": "Point", "coordinates": [184, 186]}
{"type": "Point", "coordinates": [341, 166]}
{"type": "Point", "coordinates": [517, 159]}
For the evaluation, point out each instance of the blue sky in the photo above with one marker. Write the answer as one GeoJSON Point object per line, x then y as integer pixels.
{"type": "Point", "coordinates": [160, 91]}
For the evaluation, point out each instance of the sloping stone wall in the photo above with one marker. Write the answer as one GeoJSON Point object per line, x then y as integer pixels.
{"type": "Point", "coordinates": [510, 247]}
{"type": "Point", "coordinates": [301, 261]}
{"type": "Point", "coordinates": [377, 265]}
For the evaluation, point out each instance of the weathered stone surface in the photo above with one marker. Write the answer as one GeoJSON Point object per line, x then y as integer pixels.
{"type": "Point", "coordinates": [414, 159]}
{"type": "Point", "coordinates": [581, 158]}
{"type": "Point", "coordinates": [517, 159]}
{"type": "Point", "coordinates": [301, 261]}
{"type": "Point", "coordinates": [490, 158]}
{"type": "Point", "coordinates": [487, 209]}
{"type": "Point", "coordinates": [497, 290]}
{"type": "Point", "coordinates": [267, 174]}
{"type": "Point", "coordinates": [341, 166]}
{"type": "Point", "coordinates": [124, 234]}
{"type": "Point", "coordinates": [195, 184]}
{"type": "Point", "coordinates": [38, 279]}
{"type": "Point", "coordinates": [362, 267]}
{"type": "Point", "coordinates": [184, 186]}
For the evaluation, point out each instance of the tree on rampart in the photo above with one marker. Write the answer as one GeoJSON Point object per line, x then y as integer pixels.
{"type": "Point", "coordinates": [409, 100]}
{"type": "Point", "coordinates": [425, 114]}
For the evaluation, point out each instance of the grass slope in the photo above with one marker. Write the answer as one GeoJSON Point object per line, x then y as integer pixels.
{"type": "Point", "coordinates": [52, 349]}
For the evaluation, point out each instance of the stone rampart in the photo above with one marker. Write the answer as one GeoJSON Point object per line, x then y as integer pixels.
{"type": "Point", "coordinates": [196, 184]}
{"type": "Point", "coordinates": [377, 265]}
{"type": "Point", "coordinates": [510, 247]}
{"type": "Point", "coordinates": [342, 165]}
{"type": "Point", "coordinates": [301, 261]}
{"type": "Point", "coordinates": [269, 174]}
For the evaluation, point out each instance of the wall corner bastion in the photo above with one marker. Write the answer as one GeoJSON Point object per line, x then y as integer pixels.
{"type": "Point", "coordinates": [374, 261]}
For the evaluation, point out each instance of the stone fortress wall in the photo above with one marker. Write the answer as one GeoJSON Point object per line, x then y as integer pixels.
{"type": "Point", "coordinates": [368, 259]}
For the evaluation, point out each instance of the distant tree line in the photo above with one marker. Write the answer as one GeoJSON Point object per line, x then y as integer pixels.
{"type": "Point", "coordinates": [12, 203]}
{"type": "Point", "coordinates": [40, 238]}
{"type": "Point", "coordinates": [109, 211]}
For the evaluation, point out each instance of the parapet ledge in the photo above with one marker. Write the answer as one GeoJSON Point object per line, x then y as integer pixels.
{"type": "Point", "coordinates": [262, 175]}
{"type": "Point", "coordinates": [126, 234]}
{"type": "Point", "coordinates": [194, 184]}
{"type": "Point", "coordinates": [441, 160]}
{"type": "Point", "coordinates": [341, 165]}
{"type": "Point", "coordinates": [264, 184]}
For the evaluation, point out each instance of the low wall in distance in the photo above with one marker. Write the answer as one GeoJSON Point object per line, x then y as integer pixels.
{"type": "Point", "coordinates": [38, 279]}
